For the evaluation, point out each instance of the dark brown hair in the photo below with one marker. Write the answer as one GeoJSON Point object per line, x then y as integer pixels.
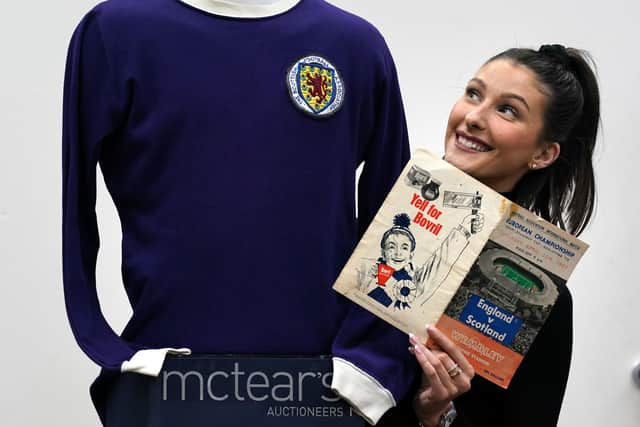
{"type": "Point", "coordinates": [564, 192]}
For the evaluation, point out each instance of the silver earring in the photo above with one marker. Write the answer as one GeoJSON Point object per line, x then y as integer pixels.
{"type": "Point", "coordinates": [533, 166]}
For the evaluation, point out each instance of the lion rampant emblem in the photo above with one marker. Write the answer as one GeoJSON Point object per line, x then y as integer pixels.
{"type": "Point", "coordinates": [315, 86]}
{"type": "Point", "coordinates": [318, 89]}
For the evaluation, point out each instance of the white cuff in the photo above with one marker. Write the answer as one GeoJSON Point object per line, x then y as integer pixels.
{"type": "Point", "coordinates": [149, 362]}
{"type": "Point", "coordinates": [363, 392]}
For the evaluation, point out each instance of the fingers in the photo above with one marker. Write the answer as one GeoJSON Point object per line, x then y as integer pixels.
{"type": "Point", "coordinates": [446, 375]}
{"type": "Point", "coordinates": [457, 381]}
{"type": "Point", "coordinates": [451, 350]}
{"type": "Point", "coordinates": [476, 222]}
{"type": "Point", "coordinates": [431, 366]}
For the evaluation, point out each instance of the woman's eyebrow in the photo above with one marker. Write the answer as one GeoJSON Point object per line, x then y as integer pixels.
{"type": "Point", "coordinates": [478, 81]}
{"type": "Point", "coordinates": [518, 97]}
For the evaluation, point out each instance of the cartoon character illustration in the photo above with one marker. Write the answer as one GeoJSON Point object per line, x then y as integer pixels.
{"type": "Point", "coordinates": [392, 274]}
{"type": "Point", "coordinates": [392, 279]}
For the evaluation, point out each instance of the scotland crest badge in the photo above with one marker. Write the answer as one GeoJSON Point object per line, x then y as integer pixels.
{"type": "Point", "coordinates": [315, 86]}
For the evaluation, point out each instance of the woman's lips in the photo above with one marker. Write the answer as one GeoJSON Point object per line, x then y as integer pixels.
{"type": "Point", "coordinates": [471, 144]}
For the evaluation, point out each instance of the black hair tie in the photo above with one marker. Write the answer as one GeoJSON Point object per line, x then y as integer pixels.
{"type": "Point", "coordinates": [556, 53]}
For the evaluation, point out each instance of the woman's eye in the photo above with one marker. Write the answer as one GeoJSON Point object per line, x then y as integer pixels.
{"type": "Point", "coordinates": [508, 110]}
{"type": "Point", "coordinates": [472, 94]}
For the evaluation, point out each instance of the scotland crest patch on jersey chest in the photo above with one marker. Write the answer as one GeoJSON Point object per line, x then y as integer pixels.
{"type": "Point", "coordinates": [315, 86]}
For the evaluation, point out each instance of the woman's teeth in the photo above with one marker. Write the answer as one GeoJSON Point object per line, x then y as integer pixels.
{"type": "Point", "coordinates": [472, 144]}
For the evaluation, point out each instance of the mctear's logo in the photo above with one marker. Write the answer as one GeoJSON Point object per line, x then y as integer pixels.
{"type": "Point", "coordinates": [315, 86]}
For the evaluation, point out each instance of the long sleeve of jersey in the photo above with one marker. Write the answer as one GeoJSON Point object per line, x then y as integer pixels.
{"type": "Point", "coordinates": [372, 367]}
{"type": "Point", "coordinates": [94, 108]}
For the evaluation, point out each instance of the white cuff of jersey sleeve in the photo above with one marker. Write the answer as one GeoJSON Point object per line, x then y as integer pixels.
{"type": "Point", "coordinates": [149, 362]}
{"type": "Point", "coordinates": [363, 392]}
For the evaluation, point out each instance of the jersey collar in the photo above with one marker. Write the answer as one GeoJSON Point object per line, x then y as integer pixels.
{"type": "Point", "coordinates": [243, 9]}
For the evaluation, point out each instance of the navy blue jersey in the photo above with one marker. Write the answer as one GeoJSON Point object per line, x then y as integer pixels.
{"type": "Point", "coordinates": [229, 147]}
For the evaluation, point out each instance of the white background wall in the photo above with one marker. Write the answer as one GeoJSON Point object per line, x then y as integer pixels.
{"type": "Point", "coordinates": [437, 47]}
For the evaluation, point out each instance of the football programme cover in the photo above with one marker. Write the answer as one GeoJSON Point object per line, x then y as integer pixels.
{"type": "Point", "coordinates": [446, 250]}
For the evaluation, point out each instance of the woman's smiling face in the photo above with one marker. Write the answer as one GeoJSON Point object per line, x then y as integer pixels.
{"type": "Point", "coordinates": [494, 130]}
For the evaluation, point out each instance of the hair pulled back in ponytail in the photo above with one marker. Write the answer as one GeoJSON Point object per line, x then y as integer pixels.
{"type": "Point", "coordinates": [563, 193]}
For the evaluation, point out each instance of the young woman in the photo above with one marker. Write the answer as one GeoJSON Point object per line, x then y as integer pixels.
{"type": "Point", "coordinates": [526, 126]}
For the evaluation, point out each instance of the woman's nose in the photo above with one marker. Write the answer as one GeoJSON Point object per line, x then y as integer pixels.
{"type": "Point", "coordinates": [475, 118]}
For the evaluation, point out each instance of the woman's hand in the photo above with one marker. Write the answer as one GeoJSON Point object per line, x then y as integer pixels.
{"type": "Point", "coordinates": [446, 374]}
